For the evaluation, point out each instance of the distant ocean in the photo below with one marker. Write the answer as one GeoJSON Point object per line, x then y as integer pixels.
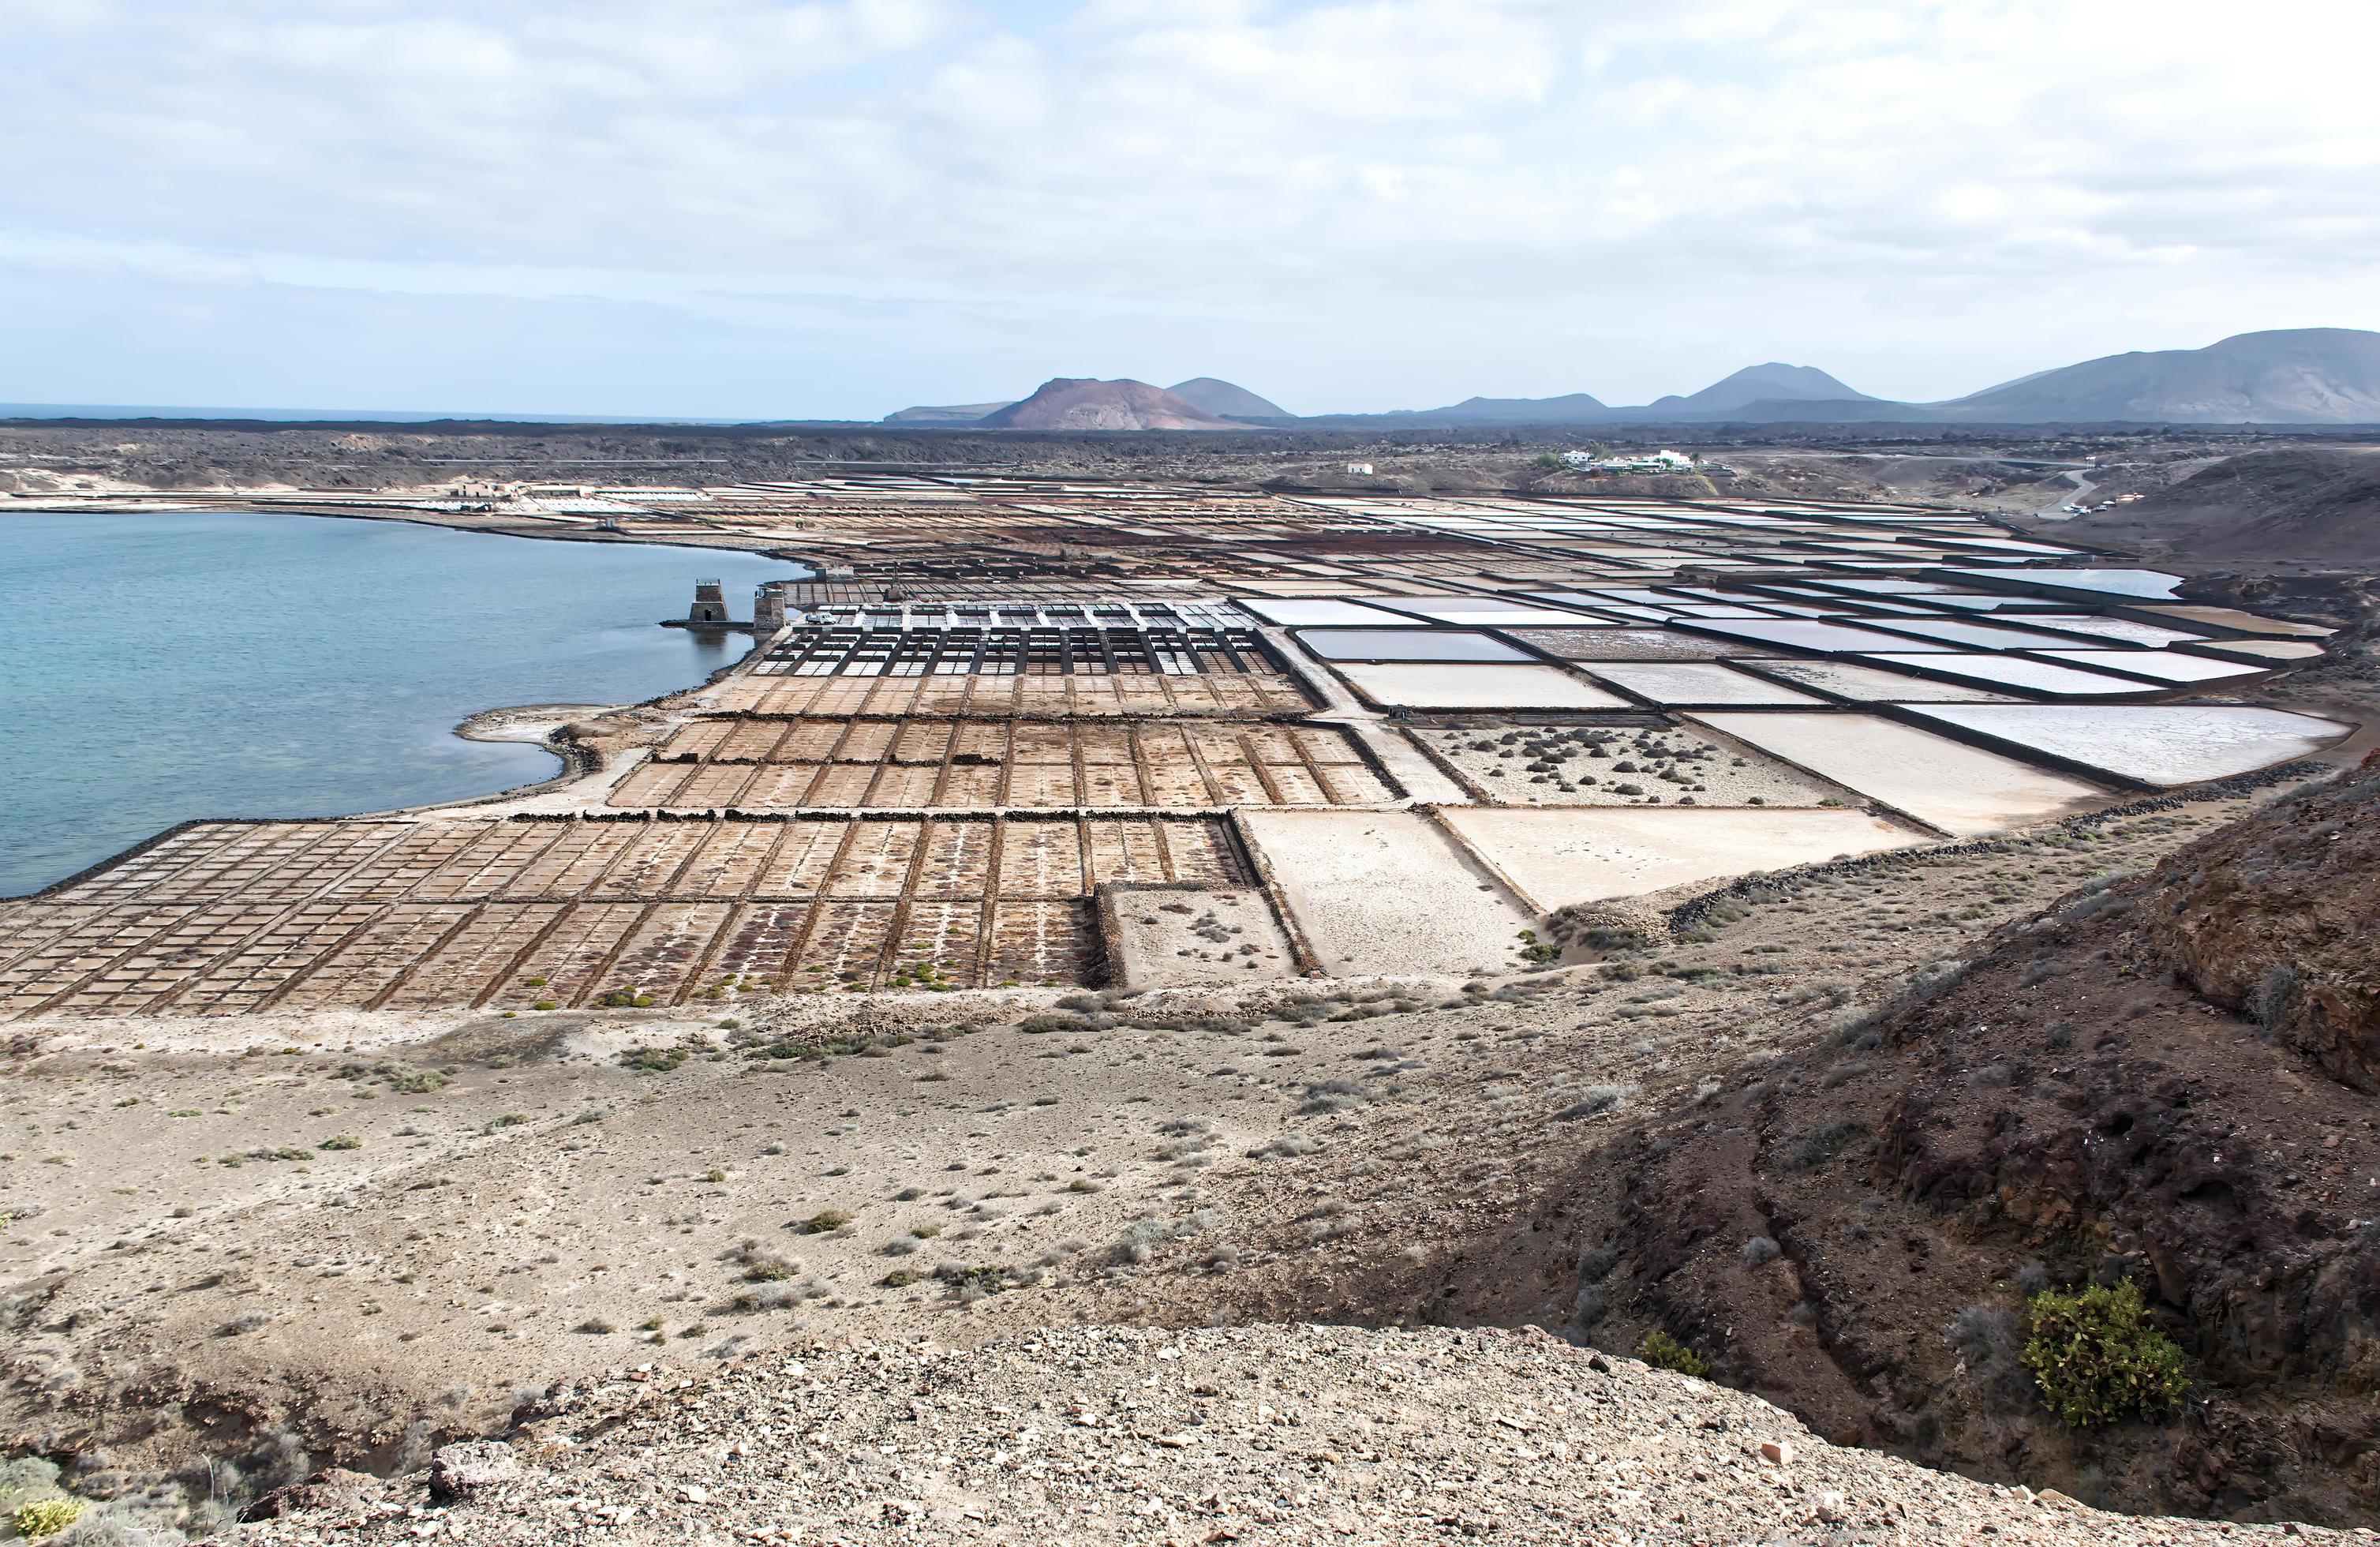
{"type": "Point", "coordinates": [154, 668]}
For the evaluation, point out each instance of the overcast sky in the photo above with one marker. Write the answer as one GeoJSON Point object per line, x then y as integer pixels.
{"type": "Point", "coordinates": [753, 208]}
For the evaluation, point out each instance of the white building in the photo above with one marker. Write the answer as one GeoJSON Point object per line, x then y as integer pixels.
{"type": "Point", "coordinates": [1663, 461]}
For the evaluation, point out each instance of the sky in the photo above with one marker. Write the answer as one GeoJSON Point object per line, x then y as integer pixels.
{"type": "Point", "coordinates": [835, 207]}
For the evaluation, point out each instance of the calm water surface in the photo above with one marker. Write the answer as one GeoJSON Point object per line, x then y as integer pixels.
{"type": "Point", "coordinates": [157, 668]}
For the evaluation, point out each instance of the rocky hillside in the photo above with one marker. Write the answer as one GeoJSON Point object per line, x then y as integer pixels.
{"type": "Point", "coordinates": [2292, 509]}
{"type": "Point", "coordinates": [1071, 403]}
{"type": "Point", "coordinates": [2167, 1079]}
{"type": "Point", "coordinates": [1254, 1435]}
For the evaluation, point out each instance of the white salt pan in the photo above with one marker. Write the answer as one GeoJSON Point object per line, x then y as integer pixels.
{"type": "Point", "coordinates": [1960, 790]}
{"type": "Point", "coordinates": [2151, 744]}
{"type": "Point", "coordinates": [1574, 856]}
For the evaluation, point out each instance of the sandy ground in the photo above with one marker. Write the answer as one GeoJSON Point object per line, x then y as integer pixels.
{"type": "Point", "coordinates": [1531, 765]}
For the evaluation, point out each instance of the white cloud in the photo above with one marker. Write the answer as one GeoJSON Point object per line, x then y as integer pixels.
{"type": "Point", "coordinates": [1358, 204]}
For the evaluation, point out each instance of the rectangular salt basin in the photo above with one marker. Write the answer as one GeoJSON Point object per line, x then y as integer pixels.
{"type": "Point", "coordinates": [2044, 677]}
{"type": "Point", "coordinates": [2142, 584]}
{"type": "Point", "coordinates": [2121, 629]}
{"type": "Point", "coordinates": [1319, 610]}
{"type": "Point", "coordinates": [1968, 634]}
{"type": "Point", "coordinates": [1624, 644]}
{"type": "Point", "coordinates": [2244, 623]}
{"type": "Point", "coordinates": [1694, 684]}
{"type": "Point", "coordinates": [2265, 650]}
{"type": "Point", "coordinates": [2161, 665]}
{"type": "Point", "coordinates": [2162, 745]}
{"type": "Point", "coordinates": [1388, 892]}
{"type": "Point", "coordinates": [1404, 644]}
{"type": "Point", "coordinates": [1493, 612]}
{"type": "Point", "coordinates": [1563, 856]}
{"type": "Point", "coordinates": [1847, 679]}
{"type": "Point", "coordinates": [1818, 639]}
{"type": "Point", "coordinates": [1418, 684]}
{"type": "Point", "coordinates": [1962, 790]}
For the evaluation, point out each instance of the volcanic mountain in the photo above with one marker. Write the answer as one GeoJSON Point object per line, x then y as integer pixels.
{"type": "Point", "coordinates": [1227, 399]}
{"type": "Point", "coordinates": [1772, 383]}
{"type": "Point", "coordinates": [2284, 376]}
{"type": "Point", "coordinates": [945, 413]}
{"type": "Point", "coordinates": [1082, 403]}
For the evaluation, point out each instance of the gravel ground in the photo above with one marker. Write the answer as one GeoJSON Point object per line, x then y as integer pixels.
{"type": "Point", "coordinates": [1584, 765]}
{"type": "Point", "coordinates": [1264, 1434]}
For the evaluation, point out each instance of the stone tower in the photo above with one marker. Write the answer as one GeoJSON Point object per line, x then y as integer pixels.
{"type": "Point", "coordinates": [768, 611]}
{"type": "Point", "coordinates": [710, 604]}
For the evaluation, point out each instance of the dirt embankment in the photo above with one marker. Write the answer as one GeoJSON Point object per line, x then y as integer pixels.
{"type": "Point", "coordinates": [2168, 1080]}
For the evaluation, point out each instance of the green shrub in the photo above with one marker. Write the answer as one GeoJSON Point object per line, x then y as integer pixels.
{"type": "Point", "coordinates": [1664, 1352]}
{"type": "Point", "coordinates": [823, 1222]}
{"type": "Point", "coordinates": [46, 1517]}
{"type": "Point", "coordinates": [343, 1142]}
{"type": "Point", "coordinates": [652, 1060]}
{"type": "Point", "coordinates": [2097, 1356]}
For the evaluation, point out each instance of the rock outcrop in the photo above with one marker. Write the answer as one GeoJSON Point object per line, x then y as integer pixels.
{"type": "Point", "coordinates": [2168, 1080]}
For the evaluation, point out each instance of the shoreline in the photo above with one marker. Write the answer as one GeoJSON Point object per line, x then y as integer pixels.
{"type": "Point", "coordinates": [241, 504]}
{"type": "Point", "coordinates": [484, 725]}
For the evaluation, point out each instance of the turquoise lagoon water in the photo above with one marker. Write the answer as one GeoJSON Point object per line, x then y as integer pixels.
{"type": "Point", "coordinates": [154, 668]}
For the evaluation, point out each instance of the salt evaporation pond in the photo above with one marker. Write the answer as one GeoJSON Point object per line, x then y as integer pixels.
{"type": "Point", "coordinates": [2165, 745]}
{"type": "Point", "coordinates": [1963, 790]}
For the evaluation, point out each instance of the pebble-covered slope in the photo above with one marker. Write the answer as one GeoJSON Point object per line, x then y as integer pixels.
{"type": "Point", "coordinates": [1262, 1434]}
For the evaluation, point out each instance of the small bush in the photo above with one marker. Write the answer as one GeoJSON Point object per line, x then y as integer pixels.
{"type": "Point", "coordinates": [2097, 1357]}
{"type": "Point", "coordinates": [1596, 1100]}
{"type": "Point", "coordinates": [1760, 1250]}
{"type": "Point", "coordinates": [652, 1060]}
{"type": "Point", "coordinates": [2268, 1003]}
{"type": "Point", "coordinates": [343, 1142]}
{"type": "Point", "coordinates": [824, 1222]}
{"type": "Point", "coordinates": [46, 1517]}
{"type": "Point", "coordinates": [1664, 1352]}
